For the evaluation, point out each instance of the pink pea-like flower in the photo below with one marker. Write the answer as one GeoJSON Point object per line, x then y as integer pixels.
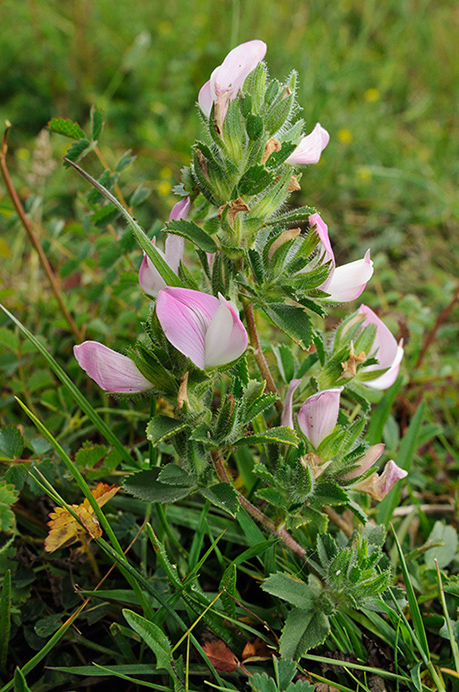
{"type": "Point", "coordinates": [370, 458]}
{"type": "Point", "coordinates": [149, 277]}
{"type": "Point", "coordinates": [318, 416]}
{"type": "Point", "coordinates": [347, 282]}
{"type": "Point", "coordinates": [206, 329]}
{"type": "Point", "coordinates": [112, 371]}
{"type": "Point", "coordinates": [378, 485]}
{"type": "Point", "coordinates": [228, 78]}
{"type": "Point", "coordinates": [384, 348]}
{"type": "Point", "coordinates": [310, 148]}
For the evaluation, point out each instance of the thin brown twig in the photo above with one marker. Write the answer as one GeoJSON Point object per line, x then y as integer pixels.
{"type": "Point", "coordinates": [257, 514]}
{"type": "Point", "coordinates": [440, 319]}
{"type": "Point", "coordinates": [27, 223]}
{"type": "Point", "coordinates": [259, 355]}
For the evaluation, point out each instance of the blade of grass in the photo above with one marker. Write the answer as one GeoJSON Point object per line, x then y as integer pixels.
{"type": "Point", "coordinates": [5, 619]}
{"type": "Point", "coordinates": [452, 638]}
{"type": "Point", "coordinates": [82, 402]}
{"type": "Point", "coordinates": [143, 240]}
{"type": "Point", "coordinates": [419, 635]}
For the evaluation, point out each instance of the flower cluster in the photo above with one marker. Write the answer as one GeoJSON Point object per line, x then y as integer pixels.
{"type": "Point", "coordinates": [253, 255]}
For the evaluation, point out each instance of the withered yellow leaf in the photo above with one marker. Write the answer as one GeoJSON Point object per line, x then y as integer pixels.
{"type": "Point", "coordinates": [64, 530]}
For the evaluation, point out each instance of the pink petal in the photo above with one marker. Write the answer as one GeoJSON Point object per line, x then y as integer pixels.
{"type": "Point", "coordinates": [370, 457]}
{"type": "Point", "coordinates": [206, 99]}
{"type": "Point", "coordinates": [112, 371]}
{"type": "Point", "coordinates": [150, 279]}
{"type": "Point", "coordinates": [237, 65]}
{"type": "Point", "coordinates": [349, 280]}
{"type": "Point", "coordinates": [377, 486]}
{"type": "Point", "coordinates": [388, 378]}
{"type": "Point", "coordinates": [287, 413]}
{"type": "Point", "coordinates": [173, 250]}
{"type": "Point", "coordinates": [385, 349]}
{"type": "Point", "coordinates": [180, 210]}
{"type": "Point", "coordinates": [310, 148]}
{"type": "Point", "coordinates": [226, 338]}
{"type": "Point", "coordinates": [318, 416]}
{"type": "Point", "coordinates": [320, 227]}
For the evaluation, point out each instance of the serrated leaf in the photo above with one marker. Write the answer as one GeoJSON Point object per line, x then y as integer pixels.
{"type": "Point", "coordinates": [161, 427]}
{"type": "Point", "coordinates": [97, 122]}
{"type": "Point", "coordinates": [11, 442]}
{"type": "Point", "coordinates": [145, 484]}
{"type": "Point", "coordinates": [8, 497]}
{"type": "Point", "coordinates": [303, 630]}
{"type": "Point", "coordinates": [78, 150]}
{"type": "Point", "coordinates": [280, 435]}
{"type": "Point", "coordinates": [278, 157]}
{"type": "Point", "coordinates": [172, 474]}
{"type": "Point", "coordinates": [293, 590]}
{"type": "Point", "coordinates": [255, 180]}
{"type": "Point", "coordinates": [154, 638]}
{"type": "Point", "coordinates": [66, 127]}
{"type": "Point", "coordinates": [89, 455]}
{"type": "Point", "coordinates": [190, 230]}
{"type": "Point", "coordinates": [222, 495]}
{"type": "Point", "coordinates": [292, 320]}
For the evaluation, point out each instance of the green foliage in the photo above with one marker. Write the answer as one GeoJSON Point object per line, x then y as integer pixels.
{"type": "Point", "coordinates": [8, 497]}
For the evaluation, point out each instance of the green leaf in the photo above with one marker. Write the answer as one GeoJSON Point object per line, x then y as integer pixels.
{"type": "Point", "coordinates": [279, 434]}
{"type": "Point", "coordinates": [291, 589]}
{"type": "Point", "coordinates": [278, 157]}
{"type": "Point", "coordinates": [66, 127]}
{"type": "Point", "coordinates": [8, 496]}
{"type": "Point", "coordinates": [292, 320]}
{"type": "Point", "coordinates": [154, 638]}
{"type": "Point", "coordinates": [222, 495]}
{"type": "Point", "coordinates": [255, 180]}
{"type": "Point", "coordinates": [5, 619]}
{"type": "Point", "coordinates": [20, 684]}
{"type": "Point", "coordinates": [190, 230]}
{"type": "Point", "coordinates": [97, 122]}
{"type": "Point", "coordinates": [90, 454]}
{"type": "Point", "coordinates": [445, 553]}
{"type": "Point", "coordinates": [11, 442]}
{"type": "Point", "coordinates": [172, 474]}
{"type": "Point", "coordinates": [79, 150]}
{"type": "Point", "coordinates": [303, 630]}
{"type": "Point", "coordinates": [161, 427]}
{"type": "Point", "coordinates": [147, 487]}
{"type": "Point", "coordinates": [254, 126]}
{"type": "Point", "coordinates": [228, 588]}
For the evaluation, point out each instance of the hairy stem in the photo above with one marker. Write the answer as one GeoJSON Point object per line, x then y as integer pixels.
{"type": "Point", "coordinates": [259, 356]}
{"type": "Point", "coordinates": [26, 222]}
{"type": "Point", "coordinates": [257, 514]}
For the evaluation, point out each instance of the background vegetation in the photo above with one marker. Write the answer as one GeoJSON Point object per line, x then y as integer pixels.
{"type": "Point", "coordinates": [381, 77]}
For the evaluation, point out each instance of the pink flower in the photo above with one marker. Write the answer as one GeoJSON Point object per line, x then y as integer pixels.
{"type": "Point", "coordinates": [347, 282]}
{"type": "Point", "coordinates": [310, 147]}
{"type": "Point", "coordinates": [228, 78]}
{"type": "Point", "coordinates": [318, 416]}
{"type": "Point", "coordinates": [370, 457]}
{"type": "Point", "coordinates": [384, 348]}
{"type": "Point", "coordinates": [287, 415]}
{"type": "Point", "coordinates": [149, 277]}
{"type": "Point", "coordinates": [112, 371]}
{"type": "Point", "coordinates": [377, 486]}
{"type": "Point", "coordinates": [204, 328]}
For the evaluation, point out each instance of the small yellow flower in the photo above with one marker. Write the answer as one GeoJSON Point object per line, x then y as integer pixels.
{"type": "Point", "coordinates": [372, 95]}
{"type": "Point", "coordinates": [364, 173]}
{"type": "Point", "coordinates": [345, 136]}
{"type": "Point", "coordinates": [164, 188]}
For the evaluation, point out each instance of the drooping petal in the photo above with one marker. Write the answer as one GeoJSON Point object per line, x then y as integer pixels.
{"type": "Point", "coordinates": [226, 338]}
{"type": "Point", "coordinates": [349, 280]}
{"type": "Point", "coordinates": [310, 148]}
{"type": "Point", "coordinates": [385, 349]}
{"type": "Point", "coordinates": [150, 279]}
{"type": "Point", "coordinates": [377, 486]}
{"type": "Point", "coordinates": [287, 412]}
{"type": "Point", "coordinates": [370, 457]}
{"type": "Point", "coordinates": [206, 99]}
{"type": "Point", "coordinates": [320, 227]}
{"type": "Point", "coordinates": [319, 414]}
{"type": "Point", "coordinates": [112, 371]}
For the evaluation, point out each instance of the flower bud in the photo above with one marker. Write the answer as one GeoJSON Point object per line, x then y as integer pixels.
{"type": "Point", "coordinates": [318, 416]}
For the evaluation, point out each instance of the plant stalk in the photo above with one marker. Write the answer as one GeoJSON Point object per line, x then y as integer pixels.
{"type": "Point", "coordinates": [26, 222]}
